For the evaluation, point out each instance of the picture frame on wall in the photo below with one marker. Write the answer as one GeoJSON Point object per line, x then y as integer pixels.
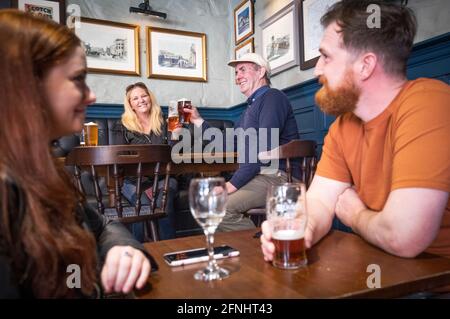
{"type": "Point", "coordinates": [176, 55]}
{"type": "Point", "coordinates": [243, 21]}
{"type": "Point", "coordinates": [111, 47]}
{"type": "Point", "coordinates": [311, 30]}
{"type": "Point", "coordinates": [52, 9]}
{"type": "Point", "coordinates": [280, 45]}
{"type": "Point", "coordinates": [248, 46]}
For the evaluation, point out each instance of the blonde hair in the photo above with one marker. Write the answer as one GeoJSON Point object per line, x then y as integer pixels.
{"type": "Point", "coordinates": [130, 119]}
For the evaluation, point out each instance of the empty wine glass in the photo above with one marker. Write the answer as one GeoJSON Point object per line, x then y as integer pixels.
{"type": "Point", "coordinates": [207, 200]}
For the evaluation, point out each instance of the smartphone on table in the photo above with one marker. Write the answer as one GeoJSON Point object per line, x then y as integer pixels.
{"type": "Point", "coordinates": [185, 257]}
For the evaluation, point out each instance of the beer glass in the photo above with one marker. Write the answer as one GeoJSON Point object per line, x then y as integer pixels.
{"type": "Point", "coordinates": [184, 103]}
{"type": "Point", "coordinates": [173, 118]}
{"type": "Point", "coordinates": [207, 200]}
{"type": "Point", "coordinates": [91, 134]}
{"type": "Point", "coordinates": [287, 217]}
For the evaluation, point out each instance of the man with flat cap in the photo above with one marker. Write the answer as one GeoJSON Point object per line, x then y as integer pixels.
{"type": "Point", "coordinates": [268, 115]}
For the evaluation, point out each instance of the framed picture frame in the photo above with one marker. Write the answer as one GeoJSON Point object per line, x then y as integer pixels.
{"type": "Point", "coordinates": [243, 21]}
{"type": "Point", "coordinates": [248, 46]}
{"type": "Point", "coordinates": [176, 55]}
{"type": "Point", "coordinates": [311, 30]}
{"type": "Point", "coordinates": [52, 9]}
{"type": "Point", "coordinates": [280, 45]}
{"type": "Point", "coordinates": [111, 47]}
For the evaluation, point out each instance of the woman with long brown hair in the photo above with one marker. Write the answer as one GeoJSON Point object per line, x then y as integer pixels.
{"type": "Point", "coordinates": [45, 226]}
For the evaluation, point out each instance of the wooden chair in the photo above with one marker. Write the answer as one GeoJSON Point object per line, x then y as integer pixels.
{"type": "Point", "coordinates": [305, 151]}
{"type": "Point", "coordinates": [117, 161]}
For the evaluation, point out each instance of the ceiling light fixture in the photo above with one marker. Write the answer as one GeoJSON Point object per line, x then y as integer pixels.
{"type": "Point", "coordinates": [146, 9]}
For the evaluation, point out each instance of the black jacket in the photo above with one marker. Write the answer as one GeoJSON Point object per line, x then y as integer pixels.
{"type": "Point", "coordinates": [125, 136]}
{"type": "Point", "coordinates": [107, 234]}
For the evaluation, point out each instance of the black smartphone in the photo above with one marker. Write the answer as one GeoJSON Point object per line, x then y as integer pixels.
{"type": "Point", "coordinates": [191, 256]}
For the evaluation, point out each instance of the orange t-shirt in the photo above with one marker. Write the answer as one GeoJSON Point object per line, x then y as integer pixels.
{"type": "Point", "coordinates": [407, 145]}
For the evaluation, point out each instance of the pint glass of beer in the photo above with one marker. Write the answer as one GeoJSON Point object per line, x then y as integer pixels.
{"type": "Point", "coordinates": [91, 134]}
{"type": "Point", "coordinates": [184, 103]}
{"type": "Point", "coordinates": [173, 118]}
{"type": "Point", "coordinates": [286, 215]}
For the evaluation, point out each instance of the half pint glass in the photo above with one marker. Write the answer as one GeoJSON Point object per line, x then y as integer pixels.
{"type": "Point", "coordinates": [286, 214]}
{"type": "Point", "coordinates": [173, 116]}
{"type": "Point", "coordinates": [91, 134]}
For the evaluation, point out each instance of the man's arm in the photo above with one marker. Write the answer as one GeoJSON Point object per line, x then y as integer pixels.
{"type": "Point", "coordinates": [321, 199]}
{"type": "Point", "coordinates": [407, 225]}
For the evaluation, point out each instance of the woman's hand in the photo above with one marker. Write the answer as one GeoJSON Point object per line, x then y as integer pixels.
{"type": "Point", "coordinates": [125, 268]}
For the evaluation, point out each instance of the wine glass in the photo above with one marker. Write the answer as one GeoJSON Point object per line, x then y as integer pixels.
{"type": "Point", "coordinates": [207, 200]}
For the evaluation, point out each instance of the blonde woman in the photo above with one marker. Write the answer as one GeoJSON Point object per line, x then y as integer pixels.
{"type": "Point", "coordinates": [143, 119]}
{"type": "Point", "coordinates": [143, 123]}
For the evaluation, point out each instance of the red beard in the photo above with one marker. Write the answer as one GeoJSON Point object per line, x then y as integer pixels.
{"type": "Point", "coordinates": [339, 101]}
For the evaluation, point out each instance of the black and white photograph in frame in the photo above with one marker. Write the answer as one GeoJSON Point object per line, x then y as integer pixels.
{"type": "Point", "coordinates": [176, 55]}
{"type": "Point", "coordinates": [280, 45]}
{"type": "Point", "coordinates": [111, 47]}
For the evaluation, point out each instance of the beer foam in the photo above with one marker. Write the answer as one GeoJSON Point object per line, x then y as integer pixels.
{"type": "Point", "coordinates": [288, 234]}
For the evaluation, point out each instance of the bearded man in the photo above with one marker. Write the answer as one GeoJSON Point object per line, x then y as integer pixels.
{"type": "Point", "coordinates": [385, 167]}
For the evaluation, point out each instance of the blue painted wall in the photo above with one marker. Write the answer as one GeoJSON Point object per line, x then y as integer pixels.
{"type": "Point", "coordinates": [430, 58]}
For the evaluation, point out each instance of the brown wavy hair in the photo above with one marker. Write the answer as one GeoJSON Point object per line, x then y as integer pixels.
{"type": "Point", "coordinates": [392, 41]}
{"type": "Point", "coordinates": [42, 234]}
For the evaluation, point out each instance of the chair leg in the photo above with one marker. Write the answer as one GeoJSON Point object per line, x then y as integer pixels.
{"type": "Point", "coordinates": [258, 219]}
{"type": "Point", "coordinates": [154, 231]}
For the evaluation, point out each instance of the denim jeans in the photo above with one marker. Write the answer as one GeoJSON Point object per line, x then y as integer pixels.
{"type": "Point", "coordinates": [166, 224]}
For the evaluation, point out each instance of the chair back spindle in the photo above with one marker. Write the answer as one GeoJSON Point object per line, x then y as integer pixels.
{"type": "Point", "coordinates": [119, 161]}
{"type": "Point", "coordinates": [305, 151]}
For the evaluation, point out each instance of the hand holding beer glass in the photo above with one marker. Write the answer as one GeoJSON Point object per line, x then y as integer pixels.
{"type": "Point", "coordinates": [287, 218]}
{"type": "Point", "coordinates": [184, 103]}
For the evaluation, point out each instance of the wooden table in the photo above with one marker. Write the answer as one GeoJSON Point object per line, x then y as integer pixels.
{"type": "Point", "coordinates": [337, 269]}
{"type": "Point", "coordinates": [204, 162]}
{"type": "Point", "coordinates": [193, 163]}
{"type": "Point", "coordinates": [201, 163]}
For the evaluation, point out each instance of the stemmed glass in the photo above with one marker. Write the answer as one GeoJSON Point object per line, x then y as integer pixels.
{"type": "Point", "coordinates": [207, 199]}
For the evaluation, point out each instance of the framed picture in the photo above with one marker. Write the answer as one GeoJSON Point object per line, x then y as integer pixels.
{"type": "Point", "coordinates": [51, 9]}
{"type": "Point", "coordinates": [280, 38]}
{"type": "Point", "coordinates": [243, 21]}
{"type": "Point", "coordinates": [245, 47]}
{"type": "Point", "coordinates": [311, 30]}
{"type": "Point", "coordinates": [110, 47]}
{"type": "Point", "coordinates": [176, 55]}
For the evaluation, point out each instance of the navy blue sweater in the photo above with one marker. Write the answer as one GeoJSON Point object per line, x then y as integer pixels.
{"type": "Point", "coordinates": [270, 109]}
